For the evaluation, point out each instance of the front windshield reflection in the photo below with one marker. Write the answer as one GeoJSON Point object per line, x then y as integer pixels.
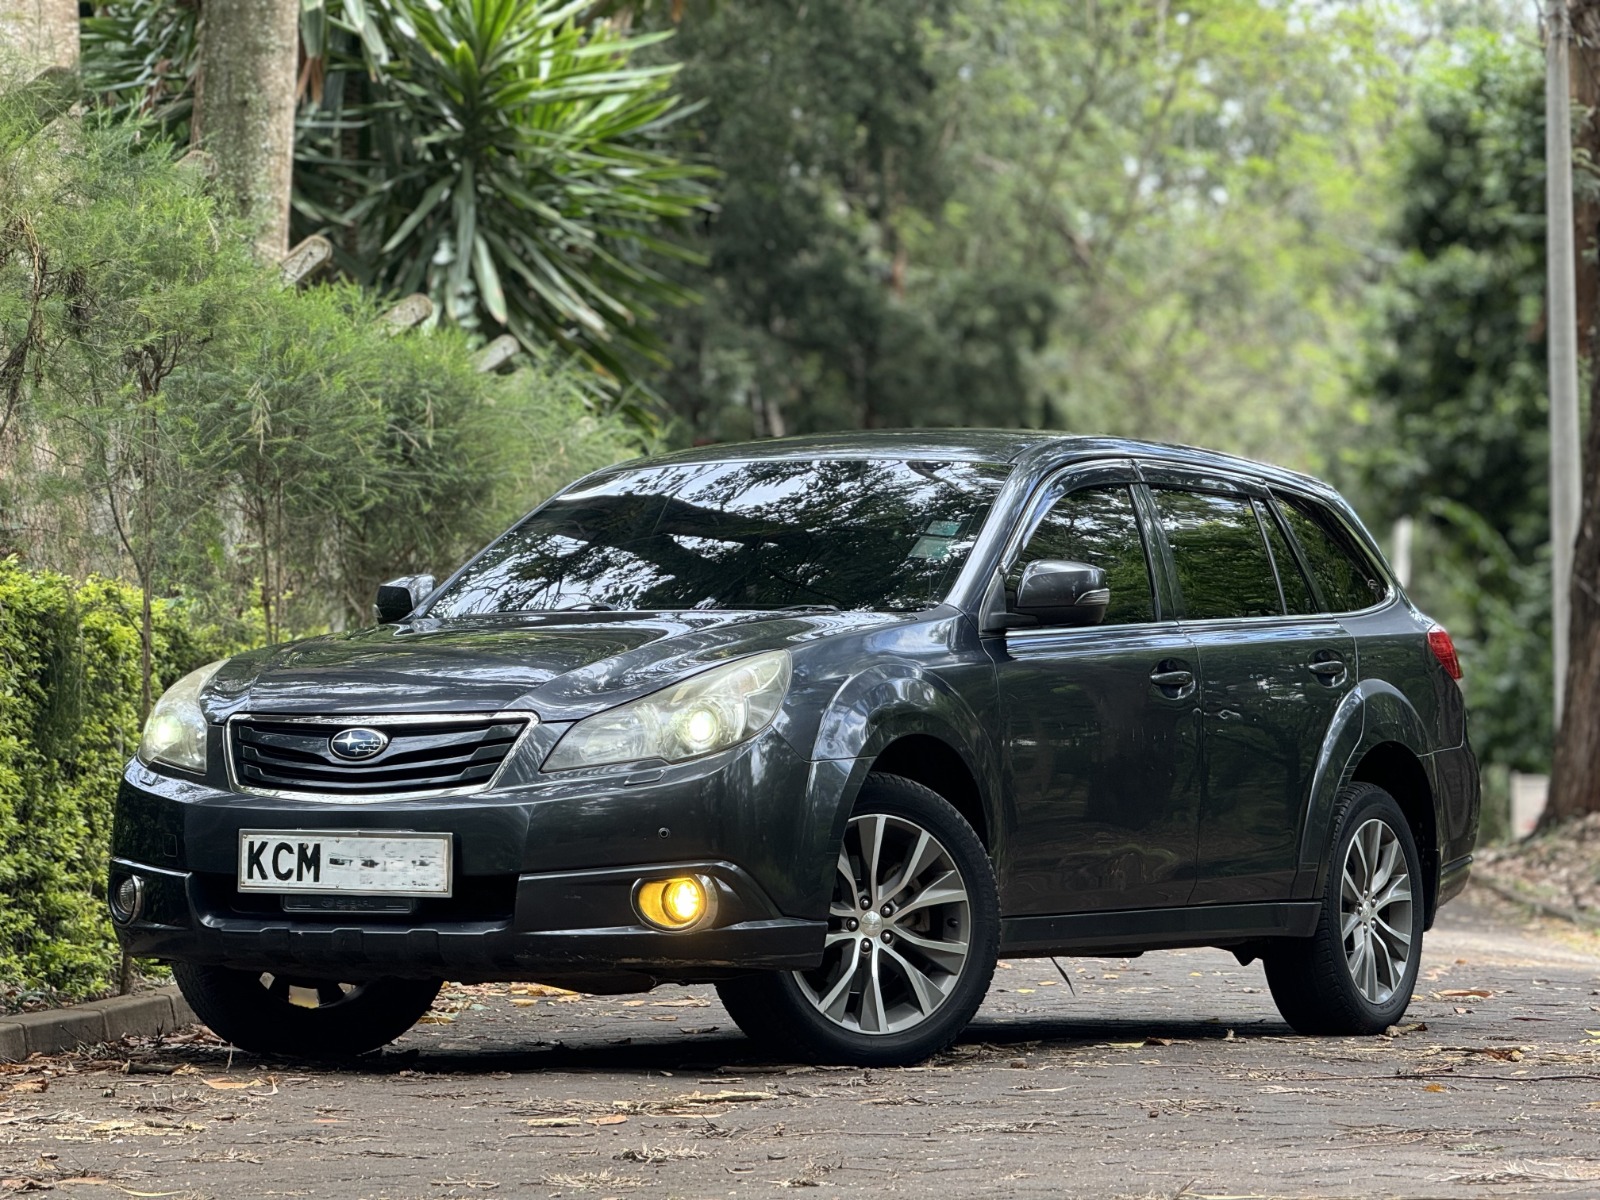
{"type": "Point", "coordinates": [844, 533]}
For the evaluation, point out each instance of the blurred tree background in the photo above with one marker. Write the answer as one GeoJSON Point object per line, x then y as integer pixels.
{"type": "Point", "coordinates": [1305, 230]}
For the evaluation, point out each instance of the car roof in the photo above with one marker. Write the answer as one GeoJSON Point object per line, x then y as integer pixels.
{"type": "Point", "coordinates": [1039, 449]}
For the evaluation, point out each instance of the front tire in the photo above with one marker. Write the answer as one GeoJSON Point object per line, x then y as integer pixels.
{"type": "Point", "coordinates": [913, 934]}
{"type": "Point", "coordinates": [1355, 974]}
{"type": "Point", "coordinates": [278, 1014]}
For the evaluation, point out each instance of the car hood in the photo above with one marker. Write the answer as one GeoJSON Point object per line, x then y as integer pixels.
{"type": "Point", "coordinates": [562, 666]}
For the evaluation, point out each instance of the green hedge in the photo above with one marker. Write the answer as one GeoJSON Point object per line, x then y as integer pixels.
{"type": "Point", "coordinates": [69, 720]}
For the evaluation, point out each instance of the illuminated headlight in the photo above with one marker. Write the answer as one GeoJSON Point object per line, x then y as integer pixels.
{"type": "Point", "coordinates": [705, 713]}
{"type": "Point", "coordinates": [175, 732]}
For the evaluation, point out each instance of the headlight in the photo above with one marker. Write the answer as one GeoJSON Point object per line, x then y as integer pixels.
{"type": "Point", "coordinates": [708, 712]}
{"type": "Point", "coordinates": [175, 733]}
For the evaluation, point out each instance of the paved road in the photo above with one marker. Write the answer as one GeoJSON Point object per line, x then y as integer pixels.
{"type": "Point", "coordinates": [1163, 1076]}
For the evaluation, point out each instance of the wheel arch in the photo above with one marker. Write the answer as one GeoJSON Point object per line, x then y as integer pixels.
{"type": "Point", "coordinates": [908, 722]}
{"type": "Point", "coordinates": [1395, 768]}
{"type": "Point", "coordinates": [1376, 737]}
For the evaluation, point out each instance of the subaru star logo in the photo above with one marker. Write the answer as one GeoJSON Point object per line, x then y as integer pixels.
{"type": "Point", "coordinates": [358, 743]}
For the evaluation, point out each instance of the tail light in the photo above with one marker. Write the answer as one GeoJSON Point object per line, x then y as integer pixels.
{"type": "Point", "coordinates": [1444, 650]}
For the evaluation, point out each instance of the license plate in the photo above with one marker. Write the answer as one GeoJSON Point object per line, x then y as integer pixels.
{"type": "Point", "coordinates": [348, 861]}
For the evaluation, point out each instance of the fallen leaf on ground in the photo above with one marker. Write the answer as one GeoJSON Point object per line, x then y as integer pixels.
{"type": "Point", "coordinates": [227, 1084]}
{"type": "Point", "coordinates": [611, 1119]}
{"type": "Point", "coordinates": [524, 1003]}
{"type": "Point", "coordinates": [552, 1122]}
{"type": "Point", "coordinates": [1453, 993]}
{"type": "Point", "coordinates": [147, 1127]}
{"type": "Point", "coordinates": [31, 1085]}
{"type": "Point", "coordinates": [1157, 1041]}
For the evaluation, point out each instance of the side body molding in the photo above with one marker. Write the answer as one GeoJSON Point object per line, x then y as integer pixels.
{"type": "Point", "coordinates": [873, 709]}
{"type": "Point", "coordinates": [1374, 712]}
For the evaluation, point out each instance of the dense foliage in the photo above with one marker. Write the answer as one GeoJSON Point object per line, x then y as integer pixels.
{"type": "Point", "coordinates": [1456, 373]}
{"type": "Point", "coordinates": [69, 720]}
{"type": "Point", "coordinates": [506, 158]}
{"type": "Point", "coordinates": [180, 415]}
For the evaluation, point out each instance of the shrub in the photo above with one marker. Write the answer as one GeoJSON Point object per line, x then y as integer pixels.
{"type": "Point", "coordinates": [69, 720]}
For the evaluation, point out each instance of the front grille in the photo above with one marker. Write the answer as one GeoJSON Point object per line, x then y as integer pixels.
{"type": "Point", "coordinates": [424, 754]}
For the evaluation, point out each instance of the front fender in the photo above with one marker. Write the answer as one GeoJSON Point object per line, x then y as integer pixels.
{"type": "Point", "coordinates": [1372, 713]}
{"type": "Point", "coordinates": [870, 711]}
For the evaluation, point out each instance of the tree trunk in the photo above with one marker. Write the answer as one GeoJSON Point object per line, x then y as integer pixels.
{"type": "Point", "coordinates": [1575, 772]}
{"type": "Point", "coordinates": [244, 110]}
{"type": "Point", "coordinates": [43, 33]}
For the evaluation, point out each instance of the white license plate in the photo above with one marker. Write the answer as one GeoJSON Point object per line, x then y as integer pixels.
{"type": "Point", "coordinates": [351, 861]}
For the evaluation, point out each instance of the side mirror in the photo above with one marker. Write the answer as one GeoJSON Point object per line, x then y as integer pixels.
{"type": "Point", "coordinates": [399, 597]}
{"type": "Point", "coordinates": [1063, 593]}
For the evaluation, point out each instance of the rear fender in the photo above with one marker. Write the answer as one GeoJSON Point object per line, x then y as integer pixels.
{"type": "Point", "coordinates": [1372, 713]}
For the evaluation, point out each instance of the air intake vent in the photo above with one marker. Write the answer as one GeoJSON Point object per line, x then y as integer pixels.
{"type": "Point", "coordinates": [340, 756]}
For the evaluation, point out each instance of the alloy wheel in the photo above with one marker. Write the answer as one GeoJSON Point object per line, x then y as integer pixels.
{"type": "Point", "coordinates": [1375, 911]}
{"type": "Point", "coordinates": [899, 928]}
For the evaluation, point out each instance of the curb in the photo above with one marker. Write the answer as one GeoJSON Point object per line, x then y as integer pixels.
{"type": "Point", "coordinates": [1516, 895]}
{"type": "Point", "coordinates": [60, 1029]}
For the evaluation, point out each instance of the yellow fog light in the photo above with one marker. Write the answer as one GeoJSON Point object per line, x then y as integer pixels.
{"type": "Point", "coordinates": [679, 903]}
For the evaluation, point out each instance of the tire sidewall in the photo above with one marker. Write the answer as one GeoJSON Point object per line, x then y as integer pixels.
{"type": "Point", "coordinates": [894, 796]}
{"type": "Point", "coordinates": [1369, 803]}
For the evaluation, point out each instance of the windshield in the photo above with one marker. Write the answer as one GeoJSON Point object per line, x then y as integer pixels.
{"type": "Point", "coordinates": [846, 533]}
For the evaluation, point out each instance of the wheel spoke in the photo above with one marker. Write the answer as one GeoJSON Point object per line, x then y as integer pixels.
{"type": "Point", "coordinates": [947, 954]}
{"type": "Point", "coordinates": [946, 889]}
{"type": "Point", "coordinates": [872, 829]}
{"type": "Point", "coordinates": [927, 852]}
{"type": "Point", "coordinates": [835, 936]}
{"type": "Point", "coordinates": [1350, 889]}
{"type": "Point", "coordinates": [1370, 974]}
{"type": "Point", "coordinates": [833, 1004]}
{"type": "Point", "coordinates": [1359, 950]}
{"type": "Point", "coordinates": [873, 1017]}
{"type": "Point", "coordinates": [847, 872]}
{"type": "Point", "coordinates": [1392, 937]}
{"type": "Point", "coordinates": [928, 993]}
{"type": "Point", "coordinates": [329, 993]}
{"type": "Point", "coordinates": [1399, 892]}
{"type": "Point", "coordinates": [1386, 865]}
{"type": "Point", "coordinates": [1352, 922]}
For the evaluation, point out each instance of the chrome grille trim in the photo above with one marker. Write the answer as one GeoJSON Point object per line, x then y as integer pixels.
{"type": "Point", "coordinates": [231, 746]}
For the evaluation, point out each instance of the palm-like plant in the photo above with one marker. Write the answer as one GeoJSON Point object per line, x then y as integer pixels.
{"type": "Point", "coordinates": [509, 160]}
{"type": "Point", "coordinates": [507, 157]}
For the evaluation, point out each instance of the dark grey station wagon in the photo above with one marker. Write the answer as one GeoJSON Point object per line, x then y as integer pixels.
{"type": "Point", "coordinates": [832, 723]}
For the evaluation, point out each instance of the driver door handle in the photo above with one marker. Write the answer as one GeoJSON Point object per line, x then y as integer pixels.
{"type": "Point", "coordinates": [1172, 679]}
{"type": "Point", "coordinates": [1327, 668]}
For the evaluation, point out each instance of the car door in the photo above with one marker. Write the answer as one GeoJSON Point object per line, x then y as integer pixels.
{"type": "Point", "coordinates": [1100, 728]}
{"type": "Point", "coordinates": [1272, 671]}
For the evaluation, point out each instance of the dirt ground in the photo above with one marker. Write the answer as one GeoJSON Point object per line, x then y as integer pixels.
{"type": "Point", "coordinates": [1167, 1075]}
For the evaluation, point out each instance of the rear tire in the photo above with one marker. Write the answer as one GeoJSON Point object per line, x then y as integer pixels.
{"type": "Point", "coordinates": [901, 975]}
{"type": "Point", "coordinates": [295, 1017]}
{"type": "Point", "coordinates": [1355, 974]}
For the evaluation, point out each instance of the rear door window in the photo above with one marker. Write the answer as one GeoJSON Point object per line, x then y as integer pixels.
{"type": "Point", "coordinates": [1219, 554]}
{"type": "Point", "coordinates": [1298, 598]}
{"type": "Point", "coordinates": [1347, 577]}
{"type": "Point", "coordinates": [1098, 526]}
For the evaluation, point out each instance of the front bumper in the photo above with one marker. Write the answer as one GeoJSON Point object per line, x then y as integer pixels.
{"type": "Point", "coordinates": [545, 869]}
{"type": "Point", "coordinates": [576, 929]}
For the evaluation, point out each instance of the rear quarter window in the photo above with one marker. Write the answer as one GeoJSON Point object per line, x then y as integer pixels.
{"type": "Point", "coordinates": [1344, 571]}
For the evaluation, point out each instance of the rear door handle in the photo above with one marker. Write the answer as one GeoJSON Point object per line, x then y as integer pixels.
{"type": "Point", "coordinates": [1329, 667]}
{"type": "Point", "coordinates": [1172, 679]}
